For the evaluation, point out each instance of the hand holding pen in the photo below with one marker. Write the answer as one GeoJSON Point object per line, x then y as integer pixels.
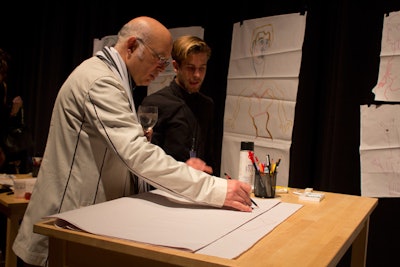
{"type": "Point", "coordinates": [238, 196]}
{"type": "Point", "coordinates": [230, 178]}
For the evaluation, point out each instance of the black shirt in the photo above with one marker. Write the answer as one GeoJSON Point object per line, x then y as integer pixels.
{"type": "Point", "coordinates": [184, 120]}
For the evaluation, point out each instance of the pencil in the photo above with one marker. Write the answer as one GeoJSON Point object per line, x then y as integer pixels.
{"type": "Point", "coordinates": [252, 201]}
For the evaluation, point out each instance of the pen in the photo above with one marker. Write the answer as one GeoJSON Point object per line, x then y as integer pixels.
{"type": "Point", "coordinates": [252, 201]}
{"type": "Point", "coordinates": [227, 176]}
{"type": "Point", "coordinates": [278, 162]}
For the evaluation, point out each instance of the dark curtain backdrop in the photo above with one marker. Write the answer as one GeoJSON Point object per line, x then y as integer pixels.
{"type": "Point", "coordinates": [339, 68]}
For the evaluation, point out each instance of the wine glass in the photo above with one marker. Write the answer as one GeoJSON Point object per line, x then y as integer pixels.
{"type": "Point", "coordinates": [148, 116]}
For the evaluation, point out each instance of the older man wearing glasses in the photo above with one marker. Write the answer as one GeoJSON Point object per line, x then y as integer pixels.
{"type": "Point", "coordinates": [95, 140]}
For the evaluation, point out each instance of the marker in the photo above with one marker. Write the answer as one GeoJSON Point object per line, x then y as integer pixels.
{"type": "Point", "coordinates": [251, 157]}
{"type": "Point", "coordinates": [273, 167]}
{"type": "Point", "coordinates": [268, 161]}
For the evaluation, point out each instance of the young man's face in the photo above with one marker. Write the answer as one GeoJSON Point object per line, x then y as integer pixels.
{"type": "Point", "coordinates": [192, 71]}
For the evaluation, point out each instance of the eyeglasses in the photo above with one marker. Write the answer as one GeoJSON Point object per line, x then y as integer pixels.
{"type": "Point", "coordinates": [162, 61]}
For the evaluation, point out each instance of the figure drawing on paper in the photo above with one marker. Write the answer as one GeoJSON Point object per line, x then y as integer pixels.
{"type": "Point", "coordinates": [388, 85]}
{"type": "Point", "coordinates": [257, 102]}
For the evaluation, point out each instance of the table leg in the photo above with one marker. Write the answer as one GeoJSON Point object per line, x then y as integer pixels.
{"type": "Point", "coordinates": [359, 247]}
{"type": "Point", "coordinates": [12, 230]}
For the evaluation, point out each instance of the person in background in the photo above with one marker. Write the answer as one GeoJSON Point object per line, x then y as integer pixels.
{"type": "Point", "coordinates": [10, 117]}
{"type": "Point", "coordinates": [185, 115]}
{"type": "Point", "coordinates": [95, 124]}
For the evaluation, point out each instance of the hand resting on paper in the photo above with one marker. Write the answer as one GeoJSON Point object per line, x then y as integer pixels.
{"type": "Point", "coordinates": [238, 195]}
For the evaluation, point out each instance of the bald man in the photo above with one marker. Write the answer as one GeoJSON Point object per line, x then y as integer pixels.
{"type": "Point", "coordinates": [95, 141]}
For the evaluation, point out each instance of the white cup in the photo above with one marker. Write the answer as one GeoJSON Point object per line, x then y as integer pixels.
{"type": "Point", "coordinates": [19, 188]}
{"type": "Point", "coordinates": [23, 187]}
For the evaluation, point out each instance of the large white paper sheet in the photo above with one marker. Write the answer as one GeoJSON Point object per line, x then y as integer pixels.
{"type": "Point", "coordinates": [161, 219]}
{"type": "Point", "coordinates": [238, 241]}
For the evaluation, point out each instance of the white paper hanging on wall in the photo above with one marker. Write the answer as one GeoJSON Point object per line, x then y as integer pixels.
{"type": "Point", "coordinates": [262, 88]}
{"type": "Point", "coordinates": [380, 150]}
{"type": "Point", "coordinates": [388, 85]}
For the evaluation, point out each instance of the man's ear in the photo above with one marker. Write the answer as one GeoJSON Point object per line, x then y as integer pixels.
{"type": "Point", "coordinates": [132, 43]}
{"type": "Point", "coordinates": [175, 64]}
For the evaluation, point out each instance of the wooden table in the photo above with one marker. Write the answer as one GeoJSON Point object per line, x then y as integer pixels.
{"type": "Point", "coordinates": [14, 208]}
{"type": "Point", "coordinates": [318, 234]}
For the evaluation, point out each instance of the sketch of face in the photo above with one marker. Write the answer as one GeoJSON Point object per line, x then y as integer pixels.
{"type": "Point", "coordinates": [261, 41]}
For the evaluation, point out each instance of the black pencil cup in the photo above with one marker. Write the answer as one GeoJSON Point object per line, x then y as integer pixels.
{"type": "Point", "coordinates": [264, 184]}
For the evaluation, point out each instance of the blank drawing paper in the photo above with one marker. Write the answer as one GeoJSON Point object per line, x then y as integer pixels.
{"type": "Point", "coordinates": [162, 219]}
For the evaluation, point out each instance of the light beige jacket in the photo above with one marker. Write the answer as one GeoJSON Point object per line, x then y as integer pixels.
{"type": "Point", "coordinates": [94, 142]}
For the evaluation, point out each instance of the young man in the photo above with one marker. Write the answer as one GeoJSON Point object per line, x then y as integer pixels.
{"type": "Point", "coordinates": [185, 115]}
{"type": "Point", "coordinates": [95, 140]}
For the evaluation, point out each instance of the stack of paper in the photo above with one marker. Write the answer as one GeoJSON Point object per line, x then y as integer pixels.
{"type": "Point", "coordinates": [162, 219]}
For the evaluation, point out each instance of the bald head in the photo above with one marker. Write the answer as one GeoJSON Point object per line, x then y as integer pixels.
{"type": "Point", "coordinates": [146, 28]}
{"type": "Point", "coordinates": [145, 45]}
